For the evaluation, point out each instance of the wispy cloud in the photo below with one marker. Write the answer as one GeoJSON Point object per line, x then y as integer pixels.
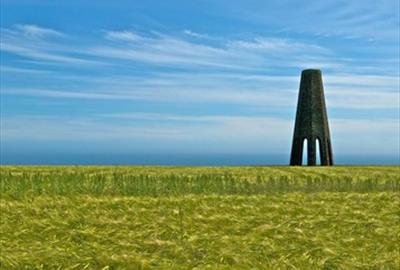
{"type": "Point", "coordinates": [168, 50]}
{"type": "Point", "coordinates": [366, 81]}
{"type": "Point", "coordinates": [194, 34]}
{"type": "Point", "coordinates": [123, 36]}
{"type": "Point", "coordinates": [362, 99]}
{"type": "Point", "coordinates": [238, 54]}
{"type": "Point", "coordinates": [32, 42]}
{"type": "Point", "coordinates": [278, 45]}
{"type": "Point", "coordinates": [176, 95]}
{"type": "Point", "coordinates": [10, 69]}
{"type": "Point", "coordinates": [156, 49]}
{"type": "Point", "coordinates": [43, 55]}
{"type": "Point", "coordinates": [370, 20]}
{"type": "Point", "coordinates": [34, 31]}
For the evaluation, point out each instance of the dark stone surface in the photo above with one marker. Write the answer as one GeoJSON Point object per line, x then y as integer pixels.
{"type": "Point", "coordinates": [311, 121]}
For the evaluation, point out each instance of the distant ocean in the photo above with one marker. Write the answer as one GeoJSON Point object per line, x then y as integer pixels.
{"type": "Point", "coordinates": [180, 159]}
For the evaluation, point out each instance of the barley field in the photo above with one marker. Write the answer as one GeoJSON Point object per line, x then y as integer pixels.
{"type": "Point", "coordinates": [92, 217]}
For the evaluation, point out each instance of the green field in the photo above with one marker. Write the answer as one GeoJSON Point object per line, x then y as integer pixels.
{"type": "Point", "coordinates": [200, 217]}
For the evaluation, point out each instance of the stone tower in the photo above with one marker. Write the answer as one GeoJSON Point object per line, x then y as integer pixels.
{"type": "Point", "coordinates": [311, 121]}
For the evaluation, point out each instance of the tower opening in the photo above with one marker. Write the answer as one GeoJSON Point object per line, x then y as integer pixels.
{"type": "Point", "coordinates": [318, 152]}
{"type": "Point", "coordinates": [305, 151]}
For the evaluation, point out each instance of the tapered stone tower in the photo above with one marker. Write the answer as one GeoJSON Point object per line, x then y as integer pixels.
{"type": "Point", "coordinates": [311, 121]}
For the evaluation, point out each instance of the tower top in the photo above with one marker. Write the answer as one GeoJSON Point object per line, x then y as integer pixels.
{"type": "Point", "coordinates": [311, 70]}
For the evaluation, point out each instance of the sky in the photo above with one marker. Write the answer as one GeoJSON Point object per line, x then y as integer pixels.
{"type": "Point", "coordinates": [194, 82]}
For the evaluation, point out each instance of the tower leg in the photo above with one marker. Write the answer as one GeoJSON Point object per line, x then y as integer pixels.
{"type": "Point", "coordinates": [311, 155]}
{"type": "Point", "coordinates": [330, 155]}
{"type": "Point", "coordinates": [297, 152]}
{"type": "Point", "coordinates": [326, 155]}
{"type": "Point", "coordinates": [323, 150]}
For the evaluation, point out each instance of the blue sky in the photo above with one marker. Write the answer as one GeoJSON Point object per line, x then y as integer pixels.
{"type": "Point", "coordinates": [109, 78]}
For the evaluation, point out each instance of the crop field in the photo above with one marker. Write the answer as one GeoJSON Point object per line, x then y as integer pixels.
{"type": "Point", "coordinates": [199, 217]}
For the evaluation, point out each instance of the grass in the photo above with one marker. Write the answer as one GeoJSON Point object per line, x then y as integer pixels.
{"type": "Point", "coordinates": [199, 218]}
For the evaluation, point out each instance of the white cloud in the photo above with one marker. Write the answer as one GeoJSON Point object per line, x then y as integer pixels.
{"type": "Point", "coordinates": [259, 53]}
{"type": "Point", "coordinates": [349, 97]}
{"type": "Point", "coordinates": [275, 45]}
{"type": "Point", "coordinates": [11, 69]}
{"type": "Point", "coordinates": [225, 96]}
{"type": "Point", "coordinates": [30, 41]}
{"type": "Point", "coordinates": [171, 51]}
{"type": "Point", "coordinates": [166, 50]}
{"type": "Point", "coordinates": [43, 55]}
{"type": "Point", "coordinates": [35, 31]}
{"type": "Point", "coordinates": [194, 34]}
{"type": "Point", "coordinates": [365, 81]}
{"type": "Point", "coordinates": [65, 94]}
{"type": "Point", "coordinates": [123, 36]}
{"type": "Point", "coordinates": [333, 19]}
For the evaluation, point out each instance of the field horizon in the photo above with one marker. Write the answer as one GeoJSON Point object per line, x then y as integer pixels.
{"type": "Point", "coordinates": [185, 159]}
